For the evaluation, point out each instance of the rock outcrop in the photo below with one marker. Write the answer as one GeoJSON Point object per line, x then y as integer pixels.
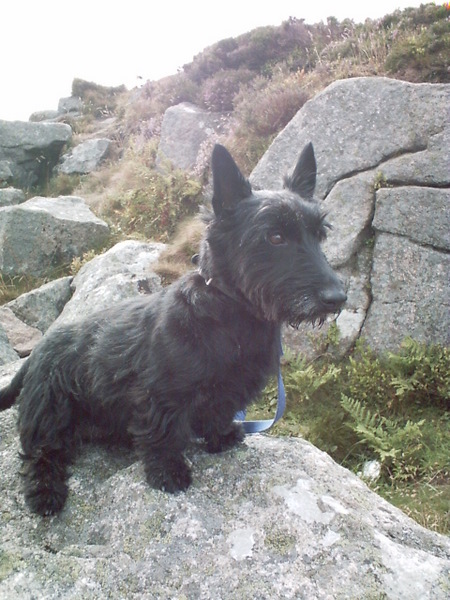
{"type": "Point", "coordinates": [274, 518]}
{"type": "Point", "coordinates": [10, 196]}
{"type": "Point", "coordinates": [43, 233]}
{"type": "Point", "coordinates": [42, 306]}
{"type": "Point", "coordinates": [122, 272]}
{"type": "Point", "coordinates": [85, 157]}
{"type": "Point", "coordinates": [31, 150]}
{"type": "Point", "coordinates": [383, 149]}
{"type": "Point", "coordinates": [24, 320]}
{"type": "Point", "coordinates": [185, 128]}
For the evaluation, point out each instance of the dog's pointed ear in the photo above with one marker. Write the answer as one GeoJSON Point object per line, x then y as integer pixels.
{"type": "Point", "coordinates": [303, 179]}
{"type": "Point", "coordinates": [229, 185]}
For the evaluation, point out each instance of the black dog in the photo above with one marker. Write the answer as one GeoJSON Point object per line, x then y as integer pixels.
{"type": "Point", "coordinates": [162, 369]}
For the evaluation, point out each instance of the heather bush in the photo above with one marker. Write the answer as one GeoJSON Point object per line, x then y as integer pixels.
{"type": "Point", "coordinates": [266, 106]}
{"type": "Point", "coordinates": [210, 61]}
{"type": "Point", "coordinates": [262, 109]}
{"type": "Point", "coordinates": [219, 91]}
{"type": "Point", "coordinates": [98, 100]}
{"type": "Point", "coordinates": [259, 51]}
{"type": "Point", "coordinates": [422, 56]}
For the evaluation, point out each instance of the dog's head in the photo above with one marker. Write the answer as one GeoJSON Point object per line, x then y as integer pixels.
{"type": "Point", "coordinates": [266, 244]}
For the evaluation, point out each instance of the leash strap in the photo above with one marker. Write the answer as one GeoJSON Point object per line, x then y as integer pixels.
{"type": "Point", "coordinates": [264, 425]}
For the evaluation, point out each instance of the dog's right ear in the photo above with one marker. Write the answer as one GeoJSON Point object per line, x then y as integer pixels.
{"type": "Point", "coordinates": [229, 185]}
{"type": "Point", "coordinates": [303, 179]}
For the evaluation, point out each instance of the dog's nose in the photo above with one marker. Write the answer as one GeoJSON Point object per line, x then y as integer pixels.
{"type": "Point", "coordinates": [332, 298]}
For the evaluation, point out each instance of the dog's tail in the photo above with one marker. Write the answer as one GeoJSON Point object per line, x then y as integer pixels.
{"type": "Point", "coordinates": [9, 394]}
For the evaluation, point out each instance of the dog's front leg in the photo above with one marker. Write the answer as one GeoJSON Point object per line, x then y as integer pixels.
{"type": "Point", "coordinates": [160, 436]}
{"type": "Point", "coordinates": [217, 427]}
{"type": "Point", "coordinates": [224, 440]}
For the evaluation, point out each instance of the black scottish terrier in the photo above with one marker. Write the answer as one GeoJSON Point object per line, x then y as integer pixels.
{"type": "Point", "coordinates": [160, 370]}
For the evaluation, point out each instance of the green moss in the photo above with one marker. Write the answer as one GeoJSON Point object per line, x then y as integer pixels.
{"type": "Point", "coordinates": [279, 541]}
{"type": "Point", "coordinates": [9, 563]}
{"type": "Point", "coordinates": [155, 528]}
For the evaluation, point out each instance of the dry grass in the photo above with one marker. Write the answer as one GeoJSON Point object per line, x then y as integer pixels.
{"type": "Point", "coordinates": [176, 259]}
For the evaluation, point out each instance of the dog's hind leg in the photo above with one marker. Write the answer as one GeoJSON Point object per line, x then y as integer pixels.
{"type": "Point", "coordinates": [45, 486]}
{"type": "Point", "coordinates": [46, 433]}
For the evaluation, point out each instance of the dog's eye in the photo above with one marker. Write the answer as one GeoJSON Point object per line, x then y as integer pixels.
{"type": "Point", "coordinates": [276, 239]}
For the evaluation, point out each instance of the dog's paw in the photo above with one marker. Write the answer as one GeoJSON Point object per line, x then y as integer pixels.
{"type": "Point", "coordinates": [169, 476]}
{"type": "Point", "coordinates": [220, 443]}
{"type": "Point", "coordinates": [46, 501]}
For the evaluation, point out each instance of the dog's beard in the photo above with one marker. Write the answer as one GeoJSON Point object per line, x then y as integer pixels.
{"type": "Point", "coordinates": [314, 320]}
{"type": "Point", "coordinates": [292, 312]}
{"type": "Point", "coordinates": [307, 311]}
{"type": "Point", "coordinates": [276, 303]}
{"type": "Point", "coordinates": [270, 305]}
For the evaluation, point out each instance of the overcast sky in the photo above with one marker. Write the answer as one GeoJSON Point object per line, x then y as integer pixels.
{"type": "Point", "coordinates": [45, 44]}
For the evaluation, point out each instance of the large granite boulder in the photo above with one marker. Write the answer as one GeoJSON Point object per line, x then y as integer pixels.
{"type": "Point", "coordinates": [31, 150]}
{"type": "Point", "coordinates": [185, 128]}
{"type": "Point", "coordinates": [43, 305]}
{"type": "Point", "coordinates": [25, 319]}
{"type": "Point", "coordinates": [70, 104]}
{"type": "Point", "coordinates": [274, 518]}
{"type": "Point", "coordinates": [44, 115]}
{"type": "Point", "coordinates": [42, 234]}
{"type": "Point", "coordinates": [85, 157]}
{"type": "Point", "coordinates": [382, 149]}
{"type": "Point", "coordinates": [122, 272]}
{"type": "Point", "coordinates": [7, 352]}
{"type": "Point", "coordinates": [10, 196]}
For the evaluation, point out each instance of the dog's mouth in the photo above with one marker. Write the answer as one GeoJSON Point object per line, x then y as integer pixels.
{"type": "Point", "coordinates": [316, 320]}
{"type": "Point", "coordinates": [309, 312]}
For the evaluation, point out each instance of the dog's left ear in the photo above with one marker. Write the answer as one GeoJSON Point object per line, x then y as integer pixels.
{"type": "Point", "coordinates": [229, 185]}
{"type": "Point", "coordinates": [303, 179]}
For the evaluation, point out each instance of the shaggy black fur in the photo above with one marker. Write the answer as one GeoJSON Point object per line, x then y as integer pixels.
{"type": "Point", "coordinates": [161, 369]}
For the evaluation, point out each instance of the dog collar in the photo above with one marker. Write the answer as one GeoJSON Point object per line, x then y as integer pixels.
{"type": "Point", "coordinates": [216, 284]}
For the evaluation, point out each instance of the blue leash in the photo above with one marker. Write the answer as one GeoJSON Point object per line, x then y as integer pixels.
{"type": "Point", "coordinates": [264, 425]}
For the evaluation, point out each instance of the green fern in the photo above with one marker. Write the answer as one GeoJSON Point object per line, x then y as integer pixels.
{"type": "Point", "coordinates": [421, 373]}
{"type": "Point", "coordinates": [398, 446]}
{"type": "Point", "coordinates": [307, 379]}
